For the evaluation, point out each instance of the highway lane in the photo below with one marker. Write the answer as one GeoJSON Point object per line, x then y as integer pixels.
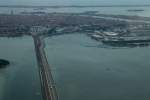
{"type": "Point", "coordinates": [47, 83]}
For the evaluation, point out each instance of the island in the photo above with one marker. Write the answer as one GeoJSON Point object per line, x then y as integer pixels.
{"type": "Point", "coordinates": [4, 63]}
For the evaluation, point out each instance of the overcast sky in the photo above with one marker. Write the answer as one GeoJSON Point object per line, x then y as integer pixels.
{"type": "Point", "coordinates": [72, 2]}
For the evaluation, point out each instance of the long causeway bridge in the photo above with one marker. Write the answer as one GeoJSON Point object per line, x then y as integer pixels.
{"type": "Point", "coordinates": [47, 83]}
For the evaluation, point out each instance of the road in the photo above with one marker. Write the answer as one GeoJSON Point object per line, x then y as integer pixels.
{"type": "Point", "coordinates": [48, 85]}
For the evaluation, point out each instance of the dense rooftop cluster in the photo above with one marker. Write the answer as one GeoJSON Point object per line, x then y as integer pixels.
{"type": "Point", "coordinates": [21, 23]}
{"type": "Point", "coordinates": [61, 23]}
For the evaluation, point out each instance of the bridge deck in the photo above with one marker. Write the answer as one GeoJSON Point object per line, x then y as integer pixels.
{"type": "Point", "coordinates": [47, 82]}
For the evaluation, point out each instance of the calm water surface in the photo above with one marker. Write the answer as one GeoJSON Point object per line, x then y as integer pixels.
{"type": "Point", "coordinates": [82, 70]}
{"type": "Point", "coordinates": [91, 73]}
{"type": "Point", "coordinates": [20, 80]}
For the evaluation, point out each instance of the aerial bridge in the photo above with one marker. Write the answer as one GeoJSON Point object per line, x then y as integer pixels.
{"type": "Point", "coordinates": [48, 85]}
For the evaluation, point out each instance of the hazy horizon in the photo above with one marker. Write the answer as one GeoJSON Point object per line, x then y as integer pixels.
{"type": "Point", "coordinates": [74, 2]}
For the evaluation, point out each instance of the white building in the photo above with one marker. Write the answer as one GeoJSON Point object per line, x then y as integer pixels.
{"type": "Point", "coordinates": [38, 30]}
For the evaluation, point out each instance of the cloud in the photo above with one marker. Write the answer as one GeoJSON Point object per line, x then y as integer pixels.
{"type": "Point", "coordinates": [72, 2]}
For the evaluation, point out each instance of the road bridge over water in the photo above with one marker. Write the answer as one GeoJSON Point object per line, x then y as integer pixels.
{"type": "Point", "coordinates": [47, 83]}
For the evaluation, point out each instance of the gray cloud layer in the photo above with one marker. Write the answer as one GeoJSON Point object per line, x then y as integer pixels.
{"type": "Point", "coordinates": [71, 2]}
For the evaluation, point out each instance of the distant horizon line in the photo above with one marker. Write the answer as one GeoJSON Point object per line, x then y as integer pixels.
{"type": "Point", "coordinates": [65, 6]}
